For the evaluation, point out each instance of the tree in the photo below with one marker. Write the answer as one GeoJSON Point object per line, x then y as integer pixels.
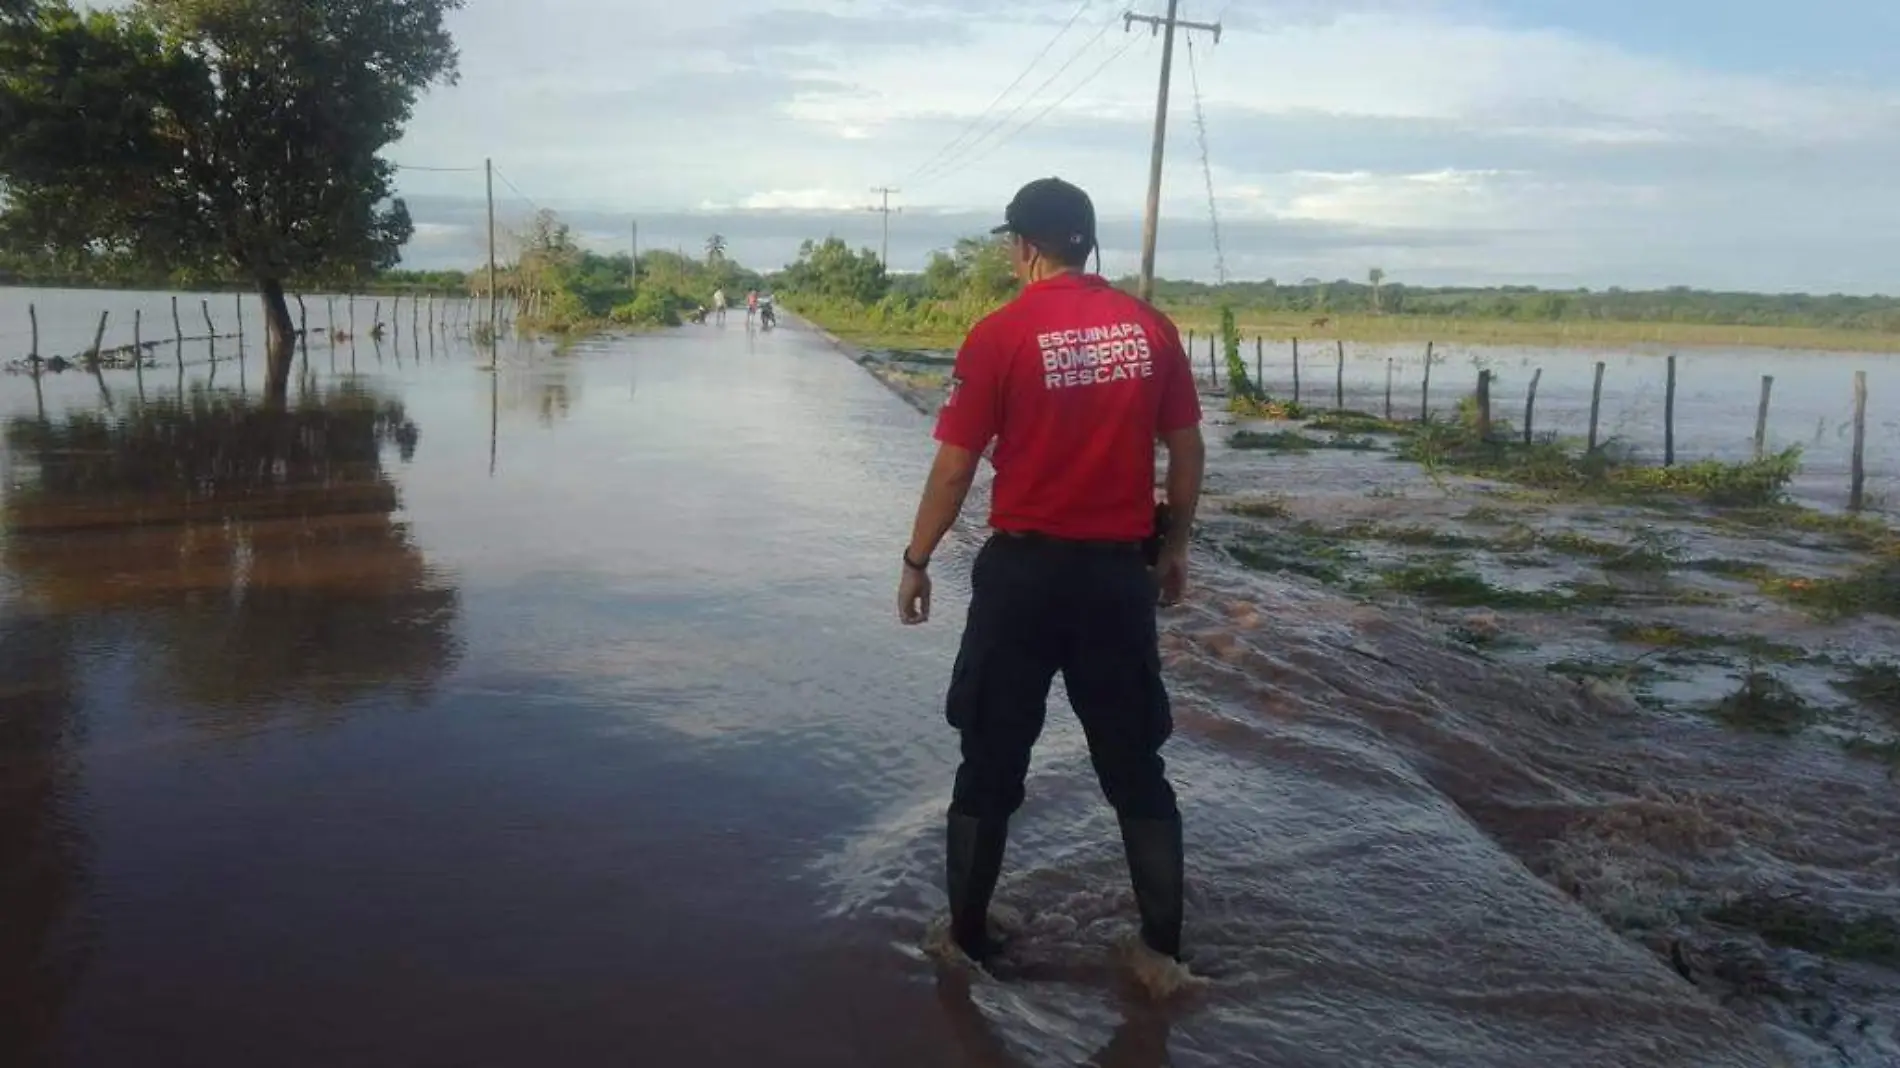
{"type": "Point", "coordinates": [235, 134]}
{"type": "Point", "coordinates": [715, 249]}
{"type": "Point", "coordinates": [1377, 277]}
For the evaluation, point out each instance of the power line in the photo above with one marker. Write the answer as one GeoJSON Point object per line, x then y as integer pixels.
{"type": "Point", "coordinates": [436, 170]}
{"type": "Point", "coordinates": [953, 162]}
{"type": "Point", "coordinates": [971, 161]}
{"type": "Point", "coordinates": [959, 139]}
{"type": "Point", "coordinates": [517, 189]}
{"type": "Point", "coordinates": [1207, 167]}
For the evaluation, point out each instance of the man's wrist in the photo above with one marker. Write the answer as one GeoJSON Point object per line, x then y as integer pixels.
{"type": "Point", "coordinates": [916, 561]}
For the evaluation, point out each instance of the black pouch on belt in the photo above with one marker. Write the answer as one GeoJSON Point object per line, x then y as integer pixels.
{"type": "Point", "coordinates": [1151, 547]}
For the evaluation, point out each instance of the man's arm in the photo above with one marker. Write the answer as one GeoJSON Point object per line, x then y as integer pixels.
{"type": "Point", "coordinates": [951, 475]}
{"type": "Point", "coordinates": [1187, 460]}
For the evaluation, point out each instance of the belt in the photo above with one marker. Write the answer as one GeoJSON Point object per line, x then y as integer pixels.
{"type": "Point", "coordinates": [1037, 537]}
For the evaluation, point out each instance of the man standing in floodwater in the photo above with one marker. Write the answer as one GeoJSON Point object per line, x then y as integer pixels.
{"type": "Point", "coordinates": [719, 305]}
{"type": "Point", "coordinates": [1074, 381]}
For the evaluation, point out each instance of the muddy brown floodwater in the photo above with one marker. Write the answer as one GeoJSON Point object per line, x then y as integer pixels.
{"type": "Point", "coordinates": [558, 715]}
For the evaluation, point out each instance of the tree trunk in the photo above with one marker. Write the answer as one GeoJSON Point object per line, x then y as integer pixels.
{"type": "Point", "coordinates": [280, 342]}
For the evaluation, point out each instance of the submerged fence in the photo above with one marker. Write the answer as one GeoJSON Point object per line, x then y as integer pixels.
{"type": "Point", "coordinates": [1714, 406]}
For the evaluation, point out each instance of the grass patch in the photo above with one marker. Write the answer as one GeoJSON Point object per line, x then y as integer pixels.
{"type": "Point", "coordinates": [1351, 422]}
{"type": "Point", "coordinates": [1876, 685]}
{"type": "Point", "coordinates": [1265, 408]}
{"type": "Point", "coordinates": [1487, 515]}
{"type": "Point", "coordinates": [1554, 467]}
{"type": "Point", "coordinates": [1629, 672]}
{"type": "Point", "coordinates": [1274, 507]}
{"type": "Point", "coordinates": [1764, 703]}
{"type": "Point", "coordinates": [1421, 536]}
{"type": "Point", "coordinates": [1275, 552]}
{"type": "Point", "coordinates": [1448, 582]}
{"type": "Point", "coordinates": [1797, 924]}
{"type": "Point", "coordinates": [1294, 441]}
{"type": "Point", "coordinates": [1667, 636]}
{"type": "Point", "coordinates": [1886, 752]}
{"type": "Point", "coordinates": [1873, 589]}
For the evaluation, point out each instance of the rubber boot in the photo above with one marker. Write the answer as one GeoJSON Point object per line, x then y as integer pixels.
{"type": "Point", "coordinates": [973, 862]}
{"type": "Point", "coordinates": [1155, 868]}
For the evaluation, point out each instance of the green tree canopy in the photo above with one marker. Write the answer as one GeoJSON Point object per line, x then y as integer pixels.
{"type": "Point", "coordinates": [237, 134]}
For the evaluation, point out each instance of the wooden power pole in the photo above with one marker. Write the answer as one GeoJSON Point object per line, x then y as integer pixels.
{"type": "Point", "coordinates": [633, 272]}
{"type": "Point", "coordinates": [885, 209]}
{"type": "Point", "coordinates": [1152, 219]}
{"type": "Point", "coordinates": [489, 165]}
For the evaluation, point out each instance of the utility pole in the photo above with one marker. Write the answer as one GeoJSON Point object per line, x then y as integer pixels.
{"type": "Point", "coordinates": [1152, 220]}
{"type": "Point", "coordinates": [885, 209]}
{"type": "Point", "coordinates": [633, 273]}
{"type": "Point", "coordinates": [489, 165]}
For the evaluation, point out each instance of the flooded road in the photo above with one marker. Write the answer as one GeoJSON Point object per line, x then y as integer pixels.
{"type": "Point", "coordinates": [558, 714]}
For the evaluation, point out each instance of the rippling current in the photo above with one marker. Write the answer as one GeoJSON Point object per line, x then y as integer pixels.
{"type": "Point", "coordinates": [558, 714]}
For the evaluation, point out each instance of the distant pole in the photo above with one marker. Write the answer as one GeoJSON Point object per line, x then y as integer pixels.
{"type": "Point", "coordinates": [92, 357]}
{"type": "Point", "coordinates": [885, 209]}
{"type": "Point", "coordinates": [1259, 363]}
{"type": "Point", "coordinates": [1669, 415]}
{"type": "Point", "coordinates": [1389, 363]}
{"type": "Point", "coordinates": [1761, 415]}
{"type": "Point", "coordinates": [237, 305]}
{"type": "Point", "coordinates": [1530, 403]}
{"type": "Point", "coordinates": [1296, 370]}
{"type": "Point", "coordinates": [633, 265]}
{"type": "Point", "coordinates": [1596, 405]}
{"type": "Point", "coordinates": [303, 335]}
{"type": "Point", "coordinates": [493, 310]}
{"type": "Point", "coordinates": [1484, 405]}
{"type": "Point", "coordinates": [1857, 484]}
{"type": "Point", "coordinates": [1425, 393]}
{"type": "Point", "coordinates": [1213, 367]}
{"type": "Point", "coordinates": [330, 304]}
{"type": "Point", "coordinates": [33, 347]}
{"type": "Point", "coordinates": [1151, 219]}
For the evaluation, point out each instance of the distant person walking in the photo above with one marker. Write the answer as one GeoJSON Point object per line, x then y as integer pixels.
{"type": "Point", "coordinates": [1074, 381]}
{"type": "Point", "coordinates": [719, 305]}
{"type": "Point", "coordinates": [751, 305]}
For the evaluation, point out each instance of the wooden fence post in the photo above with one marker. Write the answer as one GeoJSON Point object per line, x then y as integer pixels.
{"type": "Point", "coordinates": [1388, 388]}
{"type": "Point", "coordinates": [303, 336]}
{"type": "Point", "coordinates": [395, 317]}
{"type": "Point", "coordinates": [33, 345]}
{"type": "Point", "coordinates": [1213, 367]}
{"type": "Point", "coordinates": [211, 330]}
{"type": "Point", "coordinates": [1296, 370]}
{"type": "Point", "coordinates": [138, 348]}
{"type": "Point", "coordinates": [330, 303]}
{"type": "Point", "coordinates": [1857, 484]}
{"type": "Point", "coordinates": [1761, 415]}
{"type": "Point", "coordinates": [1596, 405]}
{"type": "Point", "coordinates": [1259, 363]}
{"type": "Point", "coordinates": [1669, 415]}
{"type": "Point", "coordinates": [92, 357]}
{"type": "Point", "coordinates": [237, 302]}
{"type": "Point", "coordinates": [1484, 405]}
{"type": "Point", "coordinates": [1339, 378]}
{"type": "Point", "coordinates": [1425, 394]}
{"type": "Point", "coordinates": [1530, 403]}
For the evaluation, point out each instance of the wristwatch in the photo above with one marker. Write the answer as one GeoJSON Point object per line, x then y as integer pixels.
{"type": "Point", "coordinates": [915, 565]}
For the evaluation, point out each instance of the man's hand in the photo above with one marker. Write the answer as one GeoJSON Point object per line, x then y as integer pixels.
{"type": "Point", "coordinates": [913, 596]}
{"type": "Point", "coordinates": [1171, 575]}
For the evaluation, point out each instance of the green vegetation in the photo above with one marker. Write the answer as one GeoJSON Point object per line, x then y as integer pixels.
{"type": "Point", "coordinates": [1671, 638]}
{"type": "Point", "coordinates": [565, 288]}
{"type": "Point", "coordinates": [1874, 588]}
{"type": "Point", "coordinates": [237, 136]}
{"type": "Point", "coordinates": [1796, 924]}
{"type": "Point", "coordinates": [1555, 467]}
{"type": "Point", "coordinates": [1876, 685]}
{"type": "Point", "coordinates": [1294, 441]}
{"type": "Point", "coordinates": [1764, 703]}
{"type": "Point", "coordinates": [1447, 581]}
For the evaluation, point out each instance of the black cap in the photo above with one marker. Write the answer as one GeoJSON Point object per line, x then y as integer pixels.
{"type": "Point", "coordinates": [1054, 214]}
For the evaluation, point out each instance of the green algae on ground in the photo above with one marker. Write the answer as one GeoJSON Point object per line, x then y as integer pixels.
{"type": "Point", "coordinates": [1764, 703]}
{"type": "Point", "coordinates": [1797, 924]}
{"type": "Point", "coordinates": [1294, 441]}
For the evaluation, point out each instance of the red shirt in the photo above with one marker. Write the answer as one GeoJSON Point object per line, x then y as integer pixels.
{"type": "Point", "coordinates": [1075, 380]}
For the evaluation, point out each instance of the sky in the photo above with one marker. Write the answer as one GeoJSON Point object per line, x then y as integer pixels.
{"type": "Point", "coordinates": [1730, 144]}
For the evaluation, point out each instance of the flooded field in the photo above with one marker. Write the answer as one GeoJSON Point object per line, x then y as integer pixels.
{"type": "Point", "coordinates": [559, 710]}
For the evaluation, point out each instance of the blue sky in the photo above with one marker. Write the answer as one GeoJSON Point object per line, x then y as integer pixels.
{"type": "Point", "coordinates": [1738, 145]}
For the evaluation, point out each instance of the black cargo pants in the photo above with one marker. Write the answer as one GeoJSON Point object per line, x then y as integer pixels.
{"type": "Point", "coordinates": [1039, 606]}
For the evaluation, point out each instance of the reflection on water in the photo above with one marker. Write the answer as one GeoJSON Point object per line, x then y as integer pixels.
{"type": "Point", "coordinates": [266, 541]}
{"type": "Point", "coordinates": [41, 844]}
